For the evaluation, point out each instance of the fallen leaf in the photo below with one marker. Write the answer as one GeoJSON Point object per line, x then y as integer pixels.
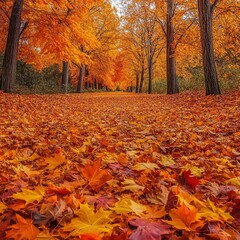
{"type": "Point", "coordinates": [145, 166]}
{"type": "Point", "coordinates": [126, 205]}
{"type": "Point", "coordinates": [89, 221]}
{"type": "Point", "coordinates": [57, 160]}
{"type": "Point", "coordinates": [130, 184]}
{"type": "Point", "coordinates": [189, 179]}
{"type": "Point", "coordinates": [195, 171]}
{"type": "Point", "coordinates": [23, 229]}
{"type": "Point", "coordinates": [213, 213]}
{"type": "Point", "coordinates": [95, 176]}
{"type": "Point", "coordinates": [185, 219]}
{"type": "Point", "coordinates": [3, 207]}
{"type": "Point", "coordinates": [147, 230]}
{"type": "Point", "coordinates": [167, 161]}
{"type": "Point", "coordinates": [234, 181]}
{"type": "Point", "coordinates": [60, 211]}
{"type": "Point", "coordinates": [30, 196]}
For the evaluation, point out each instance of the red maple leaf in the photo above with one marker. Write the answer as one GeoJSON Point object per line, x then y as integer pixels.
{"type": "Point", "coordinates": [190, 180]}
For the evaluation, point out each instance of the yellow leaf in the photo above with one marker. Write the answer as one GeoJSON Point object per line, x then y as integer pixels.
{"type": "Point", "coordinates": [89, 221]}
{"type": "Point", "coordinates": [145, 166]}
{"type": "Point", "coordinates": [213, 213]}
{"type": "Point", "coordinates": [153, 212]}
{"type": "Point", "coordinates": [184, 198]}
{"type": "Point", "coordinates": [234, 181]}
{"type": "Point", "coordinates": [123, 206]}
{"type": "Point", "coordinates": [167, 161]}
{"type": "Point", "coordinates": [30, 196]}
{"type": "Point", "coordinates": [137, 208]}
{"type": "Point", "coordinates": [126, 205]}
{"type": "Point", "coordinates": [57, 160]}
{"type": "Point", "coordinates": [196, 171]}
{"type": "Point", "coordinates": [22, 230]}
{"type": "Point", "coordinates": [3, 207]}
{"type": "Point", "coordinates": [21, 168]}
{"type": "Point", "coordinates": [131, 185]}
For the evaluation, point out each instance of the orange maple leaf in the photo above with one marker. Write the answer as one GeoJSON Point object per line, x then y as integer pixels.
{"type": "Point", "coordinates": [184, 218]}
{"type": "Point", "coordinates": [23, 229]}
{"type": "Point", "coordinates": [95, 176]}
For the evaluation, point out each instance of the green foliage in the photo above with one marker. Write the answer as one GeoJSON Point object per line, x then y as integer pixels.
{"type": "Point", "coordinates": [229, 79]}
{"type": "Point", "coordinates": [27, 76]}
{"type": "Point", "coordinates": [196, 82]}
{"type": "Point", "coordinates": [30, 80]}
{"type": "Point", "coordinates": [159, 86]}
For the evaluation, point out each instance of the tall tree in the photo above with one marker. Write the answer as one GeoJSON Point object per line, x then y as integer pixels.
{"type": "Point", "coordinates": [10, 55]}
{"type": "Point", "coordinates": [80, 78]}
{"type": "Point", "coordinates": [65, 76]}
{"type": "Point", "coordinates": [152, 38]}
{"type": "Point", "coordinates": [142, 38]}
{"type": "Point", "coordinates": [137, 83]}
{"type": "Point", "coordinates": [105, 23]}
{"type": "Point", "coordinates": [172, 83]}
{"type": "Point", "coordinates": [205, 11]}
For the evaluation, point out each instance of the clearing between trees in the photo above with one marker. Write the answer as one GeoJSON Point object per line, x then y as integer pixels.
{"type": "Point", "coordinates": [120, 166]}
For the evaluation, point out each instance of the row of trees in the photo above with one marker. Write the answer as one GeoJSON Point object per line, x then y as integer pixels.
{"type": "Point", "coordinates": [148, 39]}
{"type": "Point", "coordinates": [159, 34]}
{"type": "Point", "coordinates": [81, 35]}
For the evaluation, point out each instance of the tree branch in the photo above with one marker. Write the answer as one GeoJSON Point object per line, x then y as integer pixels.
{"type": "Point", "coordinates": [214, 5]}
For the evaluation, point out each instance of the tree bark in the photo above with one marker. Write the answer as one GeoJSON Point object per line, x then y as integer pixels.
{"type": "Point", "coordinates": [65, 76]}
{"type": "Point", "coordinates": [150, 67]}
{"type": "Point", "coordinates": [9, 67]}
{"type": "Point", "coordinates": [172, 83]}
{"type": "Point", "coordinates": [95, 83]}
{"type": "Point", "coordinates": [87, 85]}
{"type": "Point", "coordinates": [141, 80]}
{"type": "Point", "coordinates": [137, 82]}
{"type": "Point", "coordinates": [80, 78]}
{"type": "Point", "coordinates": [205, 12]}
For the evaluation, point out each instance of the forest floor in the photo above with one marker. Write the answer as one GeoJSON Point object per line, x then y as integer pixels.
{"type": "Point", "coordinates": [118, 166]}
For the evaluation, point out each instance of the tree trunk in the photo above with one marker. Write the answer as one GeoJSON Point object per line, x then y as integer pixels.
{"type": "Point", "coordinates": [80, 78]}
{"type": "Point", "coordinates": [100, 86]}
{"type": "Point", "coordinates": [87, 81]}
{"type": "Point", "coordinates": [141, 80]}
{"type": "Point", "coordinates": [9, 67]}
{"type": "Point", "coordinates": [65, 76]}
{"type": "Point", "coordinates": [205, 12]}
{"type": "Point", "coordinates": [150, 75]}
{"type": "Point", "coordinates": [137, 82]}
{"type": "Point", "coordinates": [172, 83]}
{"type": "Point", "coordinates": [87, 85]}
{"type": "Point", "coordinates": [95, 83]}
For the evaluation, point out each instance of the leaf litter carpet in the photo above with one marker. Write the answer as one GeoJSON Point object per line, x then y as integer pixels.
{"type": "Point", "coordinates": [118, 166]}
